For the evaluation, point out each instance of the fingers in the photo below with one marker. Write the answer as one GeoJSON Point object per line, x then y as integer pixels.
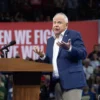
{"type": "Point", "coordinates": [61, 43]}
{"type": "Point", "coordinates": [58, 43]}
{"type": "Point", "coordinates": [38, 51]}
{"type": "Point", "coordinates": [64, 43]}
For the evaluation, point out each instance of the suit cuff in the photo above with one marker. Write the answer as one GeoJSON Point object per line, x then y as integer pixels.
{"type": "Point", "coordinates": [70, 48]}
{"type": "Point", "coordinates": [42, 58]}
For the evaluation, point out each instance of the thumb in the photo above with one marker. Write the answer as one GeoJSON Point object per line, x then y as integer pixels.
{"type": "Point", "coordinates": [69, 40]}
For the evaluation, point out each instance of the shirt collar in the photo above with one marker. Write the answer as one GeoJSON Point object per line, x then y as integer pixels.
{"type": "Point", "coordinates": [61, 35]}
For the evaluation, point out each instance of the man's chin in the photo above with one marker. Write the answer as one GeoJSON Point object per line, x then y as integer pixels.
{"type": "Point", "coordinates": [57, 33]}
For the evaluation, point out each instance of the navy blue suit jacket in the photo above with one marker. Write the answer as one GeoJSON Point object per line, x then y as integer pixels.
{"type": "Point", "coordinates": [69, 63]}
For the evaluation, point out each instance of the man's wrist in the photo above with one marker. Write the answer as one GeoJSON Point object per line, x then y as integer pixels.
{"type": "Point", "coordinates": [43, 57]}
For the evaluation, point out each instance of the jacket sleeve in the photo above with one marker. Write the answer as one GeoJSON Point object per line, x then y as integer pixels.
{"type": "Point", "coordinates": [78, 49]}
{"type": "Point", "coordinates": [47, 60]}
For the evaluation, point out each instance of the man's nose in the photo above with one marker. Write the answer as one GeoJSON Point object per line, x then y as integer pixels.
{"type": "Point", "coordinates": [56, 24]}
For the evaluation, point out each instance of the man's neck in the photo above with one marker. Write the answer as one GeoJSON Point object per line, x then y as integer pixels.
{"type": "Point", "coordinates": [57, 36]}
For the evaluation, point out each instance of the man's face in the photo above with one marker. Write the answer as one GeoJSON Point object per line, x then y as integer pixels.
{"type": "Point", "coordinates": [59, 24]}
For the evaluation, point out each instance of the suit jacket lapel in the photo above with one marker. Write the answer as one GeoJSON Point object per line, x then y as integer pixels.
{"type": "Point", "coordinates": [65, 38]}
{"type": "Point", "coordinates": [51, 45]}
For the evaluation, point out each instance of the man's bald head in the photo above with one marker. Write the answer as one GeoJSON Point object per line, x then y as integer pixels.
{"type": "Point", "coordinates": [63, 15]}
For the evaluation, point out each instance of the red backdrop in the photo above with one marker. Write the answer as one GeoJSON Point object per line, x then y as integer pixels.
{"type": "Point", "coordinates": [89, 32]}
{"type": "Point", "coordinates": [28, 35]}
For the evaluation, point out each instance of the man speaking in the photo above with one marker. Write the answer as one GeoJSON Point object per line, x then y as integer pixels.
{"type": "Point", "coordinates": [65, 50]}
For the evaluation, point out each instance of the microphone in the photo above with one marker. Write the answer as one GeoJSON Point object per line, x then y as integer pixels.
{"type": "Point", "coordinates": [8, 45]}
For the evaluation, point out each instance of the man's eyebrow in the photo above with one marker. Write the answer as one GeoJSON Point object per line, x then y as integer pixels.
{"type": "Point", "coordinates": [59, 21]}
